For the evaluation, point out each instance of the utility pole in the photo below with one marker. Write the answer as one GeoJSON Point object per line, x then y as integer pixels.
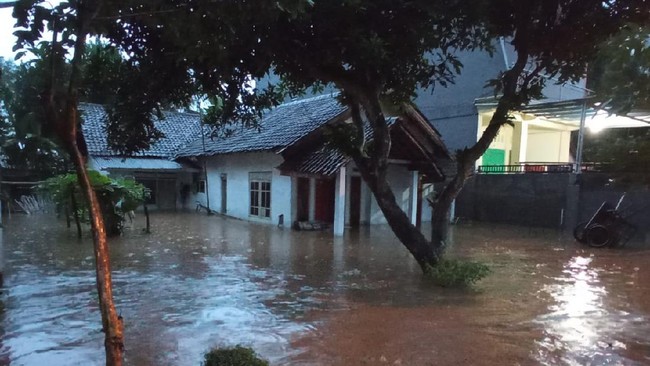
{"type": "Point", "coordinates": [581, 138]}
{"type": "Point", "coordinates": [205, 162]}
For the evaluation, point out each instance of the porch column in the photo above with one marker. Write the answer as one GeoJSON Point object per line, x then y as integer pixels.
{"type": "Point", "coordinates": [523, 145]}
{"type": "Point", "coordinates": [414, 196]}
{"type": "Point", "coordinates": [339, 203]}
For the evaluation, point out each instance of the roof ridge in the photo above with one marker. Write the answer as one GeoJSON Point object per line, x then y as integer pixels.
{"type": "Point", "coordinates": [310, 99]}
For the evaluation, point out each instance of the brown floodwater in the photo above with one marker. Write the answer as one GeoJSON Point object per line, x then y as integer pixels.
{"type": "Point", "coordinates": [306, 298]}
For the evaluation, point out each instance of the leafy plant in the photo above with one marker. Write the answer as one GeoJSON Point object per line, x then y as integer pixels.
{"type": "Point", "coordinates": [457, 273]}
{"type": "Point", "coordinates": [116, 196]}
{"type": "Point", "coordinates": [235, 356]}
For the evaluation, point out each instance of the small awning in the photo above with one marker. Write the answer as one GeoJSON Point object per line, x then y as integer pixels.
{"type": "Point", "coordinates": [568, 112]}
{"type": "Point", "coordinates": [133, 163]}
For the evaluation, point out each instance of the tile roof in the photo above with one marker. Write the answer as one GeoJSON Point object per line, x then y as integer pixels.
{"type": "Point", "coordinates": [323, 159]}
{"type": "Point", "coordinates": [278, 128]}
{"type": "Point", "coordinates": [179, 129]}
{"type": "Point", "coordinates": [147, 163]}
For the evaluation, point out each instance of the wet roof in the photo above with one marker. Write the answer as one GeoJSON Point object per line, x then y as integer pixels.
{"type": "Point", "coordinates": [179, 129]}
{"type": "Point", "coordinates": [278, 128]}
{"type": "Point", "coordinates": [135, 163]}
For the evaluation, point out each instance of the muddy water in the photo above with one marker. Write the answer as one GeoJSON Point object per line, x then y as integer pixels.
{"type": "Point", "coordinates": [308, 299]}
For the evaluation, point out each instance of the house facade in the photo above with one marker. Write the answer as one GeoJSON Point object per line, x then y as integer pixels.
{"type": "Point", "coordinates": [284, 173]}
{"type": "Point", "coordinates": [172, 183]}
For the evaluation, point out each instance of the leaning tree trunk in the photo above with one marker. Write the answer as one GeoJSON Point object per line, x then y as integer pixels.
{"type": "Point", "coordinates": [373, 169]}
{"type": "Point", "coordinates": [111, 323]}
{"type": "Point", "coordinates": [399, 222]}
{"type": "Point", "coordinates": [65, 122]}
{"type": "Point", "coordinates": [466, 159]}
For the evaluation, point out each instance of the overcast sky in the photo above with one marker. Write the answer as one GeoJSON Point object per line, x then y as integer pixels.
{"type": "Point", "coordinates": [7, 39]}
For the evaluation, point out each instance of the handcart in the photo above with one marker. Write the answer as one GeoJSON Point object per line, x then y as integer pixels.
{"type": "Point", "coordinates": [607, 227]}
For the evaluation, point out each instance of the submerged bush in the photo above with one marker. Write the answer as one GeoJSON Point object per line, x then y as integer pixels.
{"type": "Point", "coordinates": [457, 273]}
{"type": "Point", "coordinates": [235, 356]}
{"type": "Point", "coordinates": [116, 196]}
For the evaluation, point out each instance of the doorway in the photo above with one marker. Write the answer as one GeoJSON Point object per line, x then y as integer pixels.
{"type": "Point", "coordinates": [324, 210]}
{"type": "Point", "coordinates": [302, 209]}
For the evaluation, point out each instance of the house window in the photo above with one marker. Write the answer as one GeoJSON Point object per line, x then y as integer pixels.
{"type": "Point", "coordinates": [201, 187]}
{"type": "Point", "coordinates": [260, 194]}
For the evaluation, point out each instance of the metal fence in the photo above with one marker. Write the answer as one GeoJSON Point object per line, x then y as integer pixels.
{"type": "Point", "coordinates": [538, 167]}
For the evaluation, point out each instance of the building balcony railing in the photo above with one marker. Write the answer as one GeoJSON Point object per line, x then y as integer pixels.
{"type": "Point", "coordinates": [538, 167]}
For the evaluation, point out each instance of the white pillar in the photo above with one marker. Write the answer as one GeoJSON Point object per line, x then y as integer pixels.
{"type": "Point", "coordinates": [414, 196]}
{"type": "Point", "coordinates": [523, 145]}
{"type": "Point", "coordinates": [452, 211]}
{"type": "Point", "coordinates": [339, 203]}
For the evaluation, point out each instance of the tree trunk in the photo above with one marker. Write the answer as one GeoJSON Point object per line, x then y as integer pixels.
{"type": "Point", "coordinates": [466, 159]}
{"type": "Point", "coordinates": [373, 169]}
{"type": "Point", "coordinates": [111, 323]}
{"type": "Point", "coordinates": [65, 122]}
{"type": "Point", "coordinates": [398, 221]}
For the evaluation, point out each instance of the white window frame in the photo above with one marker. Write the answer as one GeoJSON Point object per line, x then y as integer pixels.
{"type": "Point", "coordinates": [259, 188]}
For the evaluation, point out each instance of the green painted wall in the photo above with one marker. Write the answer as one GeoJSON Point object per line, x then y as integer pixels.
{"type": "Point", "coordinates": [494, 157]}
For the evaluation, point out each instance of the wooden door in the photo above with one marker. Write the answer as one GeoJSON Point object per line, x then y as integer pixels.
{"type": "Point", "coordinates": [302, 199]}
{"type": "Point", "coordinates": [325, 189]}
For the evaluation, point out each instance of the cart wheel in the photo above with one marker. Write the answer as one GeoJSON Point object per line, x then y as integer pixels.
{"type": "Point", "coordinates": [598, 236]}
{"type": "Point", "coordinates": [579, 232]}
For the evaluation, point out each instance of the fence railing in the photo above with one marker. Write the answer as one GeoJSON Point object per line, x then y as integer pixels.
{"type": "Point", "coordinates": [537, 167]}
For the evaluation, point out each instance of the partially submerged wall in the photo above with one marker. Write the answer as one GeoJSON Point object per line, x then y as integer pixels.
{"type": "Point", "coordinates": [521, 199]}
{"type": "Point", "coordinates": [548, 200]}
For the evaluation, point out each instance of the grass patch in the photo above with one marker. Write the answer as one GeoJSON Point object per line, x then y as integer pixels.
{"type": "Point", "coordinates": [457, 273]}
{"type": "Point", "coordinates": [234, 356]}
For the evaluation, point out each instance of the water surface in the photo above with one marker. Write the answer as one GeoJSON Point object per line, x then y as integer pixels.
{"type": "Point", "coordinates": [306, 298]}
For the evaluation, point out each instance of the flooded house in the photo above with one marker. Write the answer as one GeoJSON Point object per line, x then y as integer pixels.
{"type": "Point", "coordinates": [285, 172]}
{"type": "Point", "coordinates": [172, 184]}
{"type": "Point", "coordinates": [282, 172]}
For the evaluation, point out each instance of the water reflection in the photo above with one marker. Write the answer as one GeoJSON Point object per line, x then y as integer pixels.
{"type": "Point", "coordinates": [304, 298]}
{"type": "Point", "coordinates": [581, 328]}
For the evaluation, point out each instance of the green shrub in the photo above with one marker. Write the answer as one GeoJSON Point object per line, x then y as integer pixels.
{"type": "Point", "coordinates": [235, 356]}
{"type": "Point", "coordinates": [457, 273]}
{"type": "Point", "coordinates": [116, 196]}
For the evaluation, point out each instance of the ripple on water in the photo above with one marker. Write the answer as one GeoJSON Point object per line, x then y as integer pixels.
{"type": "Point", "coordinates": [308, 298]}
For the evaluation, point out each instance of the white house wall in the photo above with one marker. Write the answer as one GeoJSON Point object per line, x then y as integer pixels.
{"type": "Point", "coordinates": [180, 178]}
{"type": "Point", "coordinates": [399, 179]}
{"type": "Point", "coordinates": [548, 146]}
{"type": "Point", "coordinates": [237, 168]}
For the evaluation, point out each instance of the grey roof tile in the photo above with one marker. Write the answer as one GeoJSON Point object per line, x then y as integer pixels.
{"type": "Point", "coordinates": [179, 129]}
{"type": "Point", "coordinates": [278, 128]}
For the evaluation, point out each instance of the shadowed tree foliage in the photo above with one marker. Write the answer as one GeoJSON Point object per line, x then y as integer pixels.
{"type": "Point", "coordinates": [624, 153]}
{"type": "Point", "coordinates": [620, 74]}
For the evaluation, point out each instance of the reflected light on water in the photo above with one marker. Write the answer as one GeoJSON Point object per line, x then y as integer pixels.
{"type": "Point", "coordinates": [579, 328]}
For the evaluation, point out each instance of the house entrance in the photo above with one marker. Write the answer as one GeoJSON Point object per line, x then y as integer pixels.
{"type": "Point", "coordinates": [302, 212]}
{"type": "Point", "coordinates": [166, 198]}
{"type": "Point", "coordinates": [324, 210]}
